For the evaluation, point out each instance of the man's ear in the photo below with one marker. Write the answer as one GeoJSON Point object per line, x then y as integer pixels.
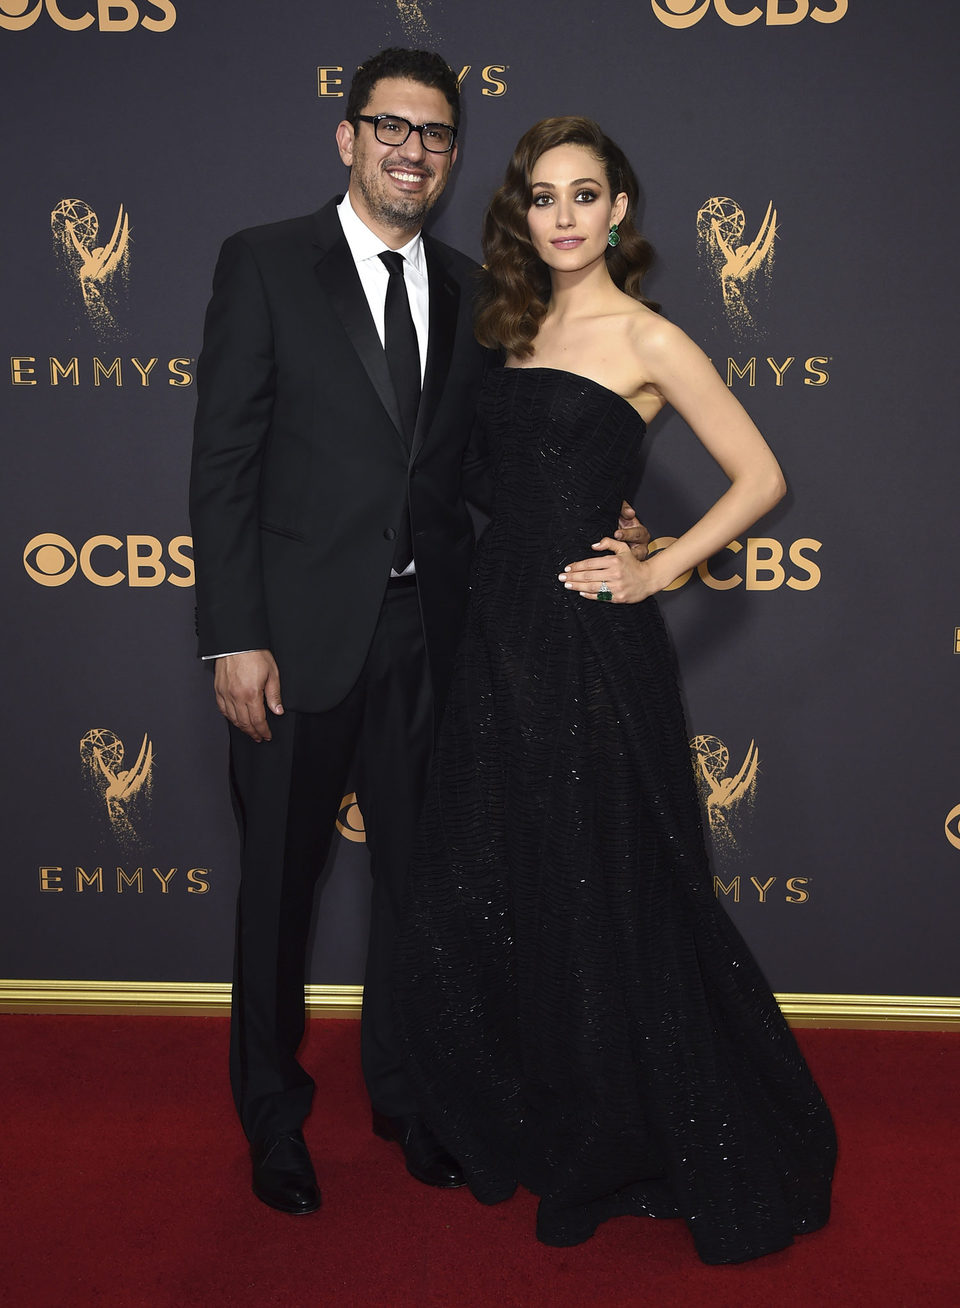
{"type": "Point", "coordinates": [345, 138]}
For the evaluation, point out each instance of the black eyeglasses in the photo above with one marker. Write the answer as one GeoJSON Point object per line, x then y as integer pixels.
{"type": "Point", "coordinates": [438, 138]}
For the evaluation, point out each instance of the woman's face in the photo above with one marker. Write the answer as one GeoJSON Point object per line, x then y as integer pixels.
{"type": "Point", "coordinates": [572, 209]}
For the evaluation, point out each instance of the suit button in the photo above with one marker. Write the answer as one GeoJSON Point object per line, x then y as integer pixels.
{"type": "Point", "coordinates": [389, 533]}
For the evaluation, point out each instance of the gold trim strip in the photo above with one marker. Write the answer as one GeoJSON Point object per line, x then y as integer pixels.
{"type": "Point", "coordinates": [904, 1013]}
{"type": "Point", "coordinates": [187, 998]}
{"type": "Point", "coordinates": [873, 1012]}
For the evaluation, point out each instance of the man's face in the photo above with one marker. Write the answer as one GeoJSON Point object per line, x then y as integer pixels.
{"type": "Point", "coordinates": [393, 187]}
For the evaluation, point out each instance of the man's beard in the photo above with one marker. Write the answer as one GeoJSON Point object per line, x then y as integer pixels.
{"type": "Point", "coordinates": [395, 212]}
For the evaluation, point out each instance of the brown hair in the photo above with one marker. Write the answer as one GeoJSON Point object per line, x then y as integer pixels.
{"type": "Point", "coordinates": [423, 66]}
{"type": "Point", "coordinates": [515, 283]}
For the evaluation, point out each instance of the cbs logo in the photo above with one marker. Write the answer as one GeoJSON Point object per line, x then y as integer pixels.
{"type": "Point", "coordinates": [110, 16]}
{"type": "Point", "coordinates": [50, 560]}
{"type": "Point", "coordinates": [776, 13]}
{"type": "Point", "coordinates": [951, 827]}
{"type": "Point", "coordinates": [350, 819]}
{"type": "Point", "coordinates": [762, 567]}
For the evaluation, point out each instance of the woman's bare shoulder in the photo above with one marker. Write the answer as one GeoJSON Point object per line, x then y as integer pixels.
{"type": "Point", "coordinates": [655, 340]}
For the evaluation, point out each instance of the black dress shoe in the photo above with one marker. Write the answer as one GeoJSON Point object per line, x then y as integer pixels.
{"type": "Point", "coordinates": [426, 1159]}
{"type": "Point", "coordinates": [283, 1174]}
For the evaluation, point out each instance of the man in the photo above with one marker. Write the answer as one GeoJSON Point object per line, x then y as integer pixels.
{"type": "Point", "coordinates": [335, 395]}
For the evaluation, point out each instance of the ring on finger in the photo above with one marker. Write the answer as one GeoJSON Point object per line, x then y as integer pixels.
{"type": "Point", "coordinates": [604, 593]}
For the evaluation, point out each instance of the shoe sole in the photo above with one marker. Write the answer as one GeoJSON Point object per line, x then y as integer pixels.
{"type": "Point", "coordinates": [438, 1185]}
{"type": "Point", "coordinates": [282, 1208]}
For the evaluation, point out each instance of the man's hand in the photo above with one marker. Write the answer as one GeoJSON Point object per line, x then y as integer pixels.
{"type": "Point", "coordinates": [243, 684]}
{"type": "Point", "coordinates": [632, 530]}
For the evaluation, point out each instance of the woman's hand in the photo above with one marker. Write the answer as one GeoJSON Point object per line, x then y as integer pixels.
{"type": "Point", "coordinates": [619, 576]}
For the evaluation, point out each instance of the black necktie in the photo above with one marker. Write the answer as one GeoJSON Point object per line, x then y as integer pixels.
{"type": "Point", "coordinates": [403, 360]}
{"type": "Point", "coordinates": [400, 343]}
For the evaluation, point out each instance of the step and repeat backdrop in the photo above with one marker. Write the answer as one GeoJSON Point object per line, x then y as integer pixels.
{"type": "Point", "coordinates": [797, 187]}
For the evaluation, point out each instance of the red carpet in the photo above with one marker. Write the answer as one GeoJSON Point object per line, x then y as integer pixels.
{"type": "Point", "coordinates": [125, 1183]}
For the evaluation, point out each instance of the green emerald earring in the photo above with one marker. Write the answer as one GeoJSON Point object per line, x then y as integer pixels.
{"type": "Point", "coordinates": [613, 239]}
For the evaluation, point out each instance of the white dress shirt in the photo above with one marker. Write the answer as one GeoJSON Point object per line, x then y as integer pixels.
{"type": "Point", "coordinates": [366, 248]}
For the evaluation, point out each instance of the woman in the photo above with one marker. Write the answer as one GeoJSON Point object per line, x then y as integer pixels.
{"type": "Point", "coordinates": [581, 1017]}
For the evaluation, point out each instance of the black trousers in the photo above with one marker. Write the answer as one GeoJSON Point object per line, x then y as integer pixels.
{"type": "Point", "coordinates": [287, 793]}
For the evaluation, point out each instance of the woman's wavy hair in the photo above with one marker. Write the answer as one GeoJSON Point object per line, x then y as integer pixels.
{"type": "Point", "coordinates": [515, 282]}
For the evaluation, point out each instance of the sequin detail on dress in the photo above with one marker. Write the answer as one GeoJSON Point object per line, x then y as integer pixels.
{"type": "Point", "coordinates": [580, 1015]}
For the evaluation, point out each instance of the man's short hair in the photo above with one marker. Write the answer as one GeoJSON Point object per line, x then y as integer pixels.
{"type": "Point", "coordinates": [423, 66]}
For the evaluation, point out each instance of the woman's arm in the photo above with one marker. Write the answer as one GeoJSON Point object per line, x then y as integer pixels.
{"type": "Point", "coordinates": [681, 373]}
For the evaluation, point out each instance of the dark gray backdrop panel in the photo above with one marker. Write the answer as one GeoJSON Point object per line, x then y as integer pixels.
{"type": "Point", "coordinates": [847, 688]}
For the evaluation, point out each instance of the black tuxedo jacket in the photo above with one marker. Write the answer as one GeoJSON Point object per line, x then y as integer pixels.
{"type": "Point", "coordinates": [300, 470]}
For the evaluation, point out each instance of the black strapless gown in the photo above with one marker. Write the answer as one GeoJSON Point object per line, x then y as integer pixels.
{"type": "Point", "coordinates": [580, 1015]}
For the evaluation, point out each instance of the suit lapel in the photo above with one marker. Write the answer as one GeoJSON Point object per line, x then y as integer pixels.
{"type": "Point", "coordinates": [444, 306]}
{"type": "Point", "coordinates": [337, 274]}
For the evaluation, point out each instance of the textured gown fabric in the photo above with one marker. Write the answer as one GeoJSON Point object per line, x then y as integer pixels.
{"type": "Point", "coordinates": [580, 1015]}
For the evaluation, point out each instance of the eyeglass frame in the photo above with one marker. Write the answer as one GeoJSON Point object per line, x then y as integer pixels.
{"type": "Point", "coordinates": [376, 119]}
